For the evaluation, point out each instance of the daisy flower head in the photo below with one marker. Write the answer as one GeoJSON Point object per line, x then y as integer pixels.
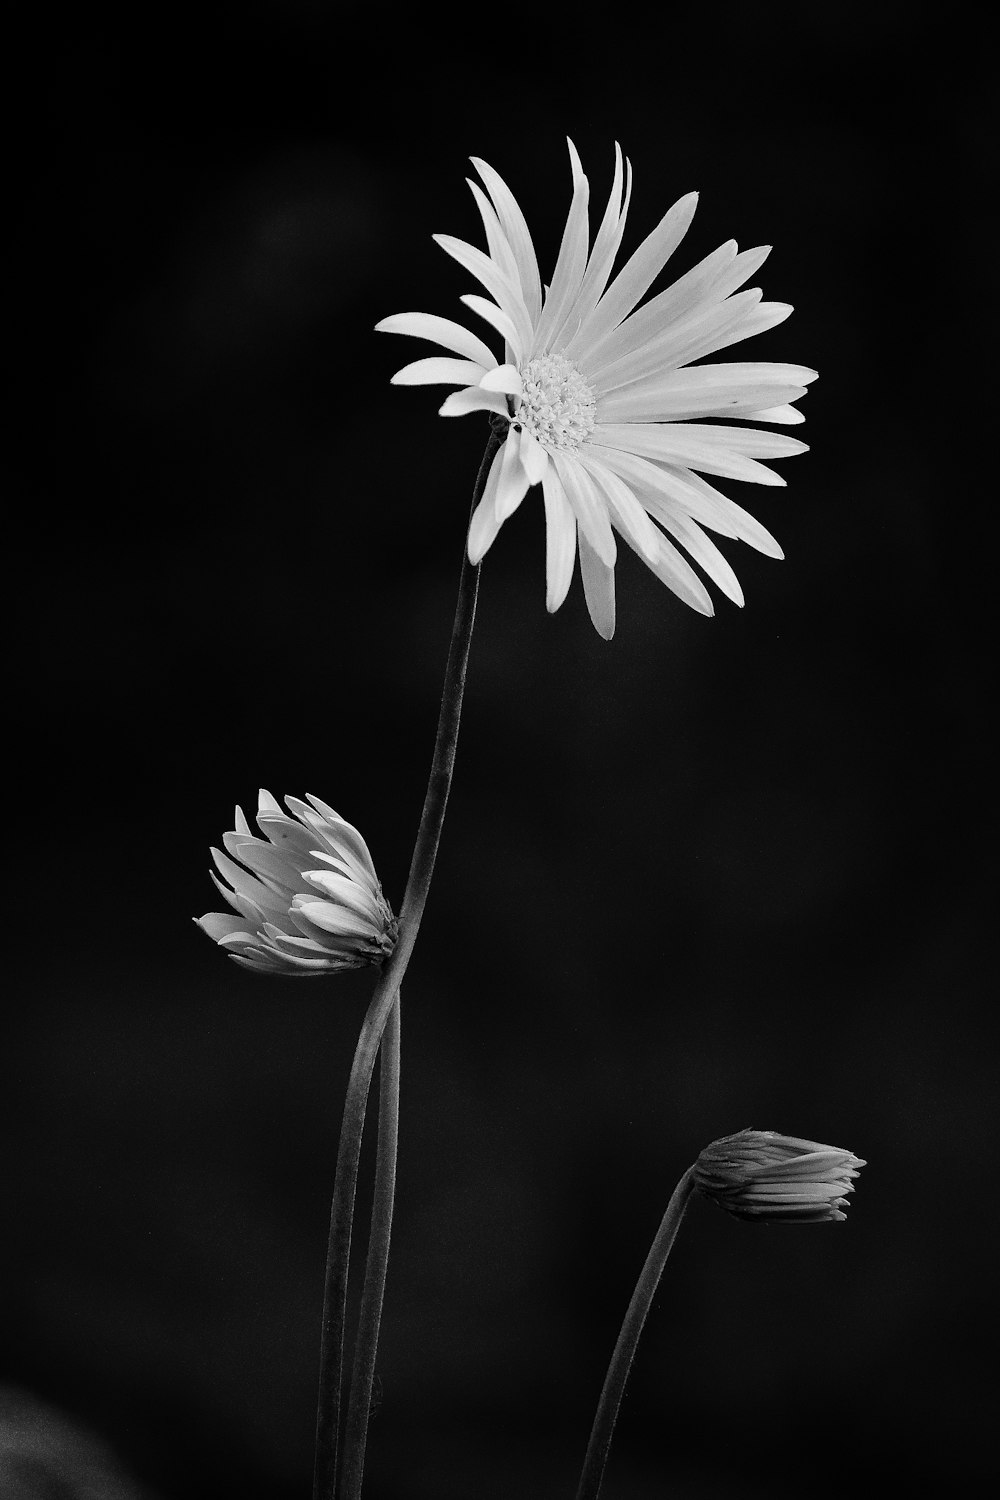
{"type": "Point", "coordinates": [605, 402]}
{"type": "Point", "coordinates": [760, 1174]}
{"type": "Point", "coordinates": [305, 898]}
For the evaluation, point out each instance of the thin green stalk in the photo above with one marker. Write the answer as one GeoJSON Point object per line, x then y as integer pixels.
{"type": "Point", "coordinates": [359, 1403]}
{"type": "Point", "coordinates": [621, 1361]}
{"type": "Point", "coordinates": [414, 899]}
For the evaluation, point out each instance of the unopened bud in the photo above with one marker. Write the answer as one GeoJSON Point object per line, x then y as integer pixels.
{"type": "Point", "coordinates": [760, 1174]}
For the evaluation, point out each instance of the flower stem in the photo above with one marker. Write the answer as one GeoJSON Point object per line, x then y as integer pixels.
{"type": "Point", "coordinates": [621, 1361]}
{"type": "Point", "coordinates": [359, 1404]}
{"type": "Point", "coordinates": [382, 1001]}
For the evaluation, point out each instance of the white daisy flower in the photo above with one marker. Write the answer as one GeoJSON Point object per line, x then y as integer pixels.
{"type": "Point", "coordinates": [605, 404]}
{"type": "Point", "coordinates": [306, 896]}
{"type": "Point", "coordinates": [760, 1174]}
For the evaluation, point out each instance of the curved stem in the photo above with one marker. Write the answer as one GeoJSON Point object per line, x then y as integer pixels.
{"type": "Point", "coordinates": [621, 1361]}
{"type": "Point", "coordinates": [446, 739]}
{"type": "Point", "coordinates": [414, 899]}
{"type": "Point", "coordinates": [359, 1404]}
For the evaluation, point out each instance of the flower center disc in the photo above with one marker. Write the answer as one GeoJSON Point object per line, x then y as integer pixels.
{"type": "Point", "coordinates": [557, 405]}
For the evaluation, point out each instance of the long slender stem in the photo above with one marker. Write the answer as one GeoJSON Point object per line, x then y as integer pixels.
{"type": "Point", "coordinates": [359, 1404]}
{"type": "Point", "coordinates": [414, 899]}
{"type": "Point", "coordinates": [628, 1339]}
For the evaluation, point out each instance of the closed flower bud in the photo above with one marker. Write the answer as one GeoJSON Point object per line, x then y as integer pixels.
{"type": "Point", "coordinates": [760, 1174]}
{"type": "Point", "coordinates": [305, 898]}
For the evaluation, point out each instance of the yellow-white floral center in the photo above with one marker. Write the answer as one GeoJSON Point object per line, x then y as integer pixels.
{"type": "Point", "coordinates": [557, 405]}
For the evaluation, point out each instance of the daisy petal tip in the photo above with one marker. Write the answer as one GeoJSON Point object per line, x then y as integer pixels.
{"type": "Point", "coordinates": [455, 406]}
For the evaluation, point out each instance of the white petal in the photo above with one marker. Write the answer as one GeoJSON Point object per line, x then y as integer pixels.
{"type": "Point", "coordinates": [505, 378]}
{"type": "Point", "coordinates": [299, 947]}
{"type": "Point", "coordinates": [560, 540]}
{"type": "Point", "coordinates": [497, 319]}
{"type": "Point", "coordinates": [679, 576]}
{"type": "Point", "coordinates": [684, 304]}
{"type": "Point", "coordinates": [682, 492]}
{"type": "Point", "coordinates": [570, 265]}
{"type": "Point", "coordinates": [705, 390]}
{"type": "Point", "coordinates": [440, 370]}
{"type": "Point", "coordinates": [460, 403]}
{"type": "Point", "coordinates": [589, 507]}
{"type": "Point", "coordinates": [513, 483]}
{"type": "Point", "coordinates": [789, 416]}
{"type": "Point", "coordinates": [345, 893]}
{"type": "Point", "coordinates": [218, 926]}
{"type": "Point", "coordinates": [438, 331]}
{"type": "Point", "coordinates": [723, 515]}
{"type": "Point", "coordinates": [754, 441]}
{"type": "Point", "coordinates": [602, 256]}
{"type": "Point", "coordinates": [279, 872]}
{"type": "Point", "coordinates": [705, 553]}
{"type": "Point", "coordinates": [652, 405]}
{"type": "Point", "coordinates": [598, 588]}
{"type": "Point", "coordinates": [631, 517]}
{"type": "Point", "coordinates": [331, 918]}
{"type": "Point", "coordinates": [256, 916]}
{"type": "Point", "coordinates": [484, 524]}
{"type": "Point", "coordinates": [338, 836]}
{"type": "Point", "coordinates": [502, 290]}
{"type": "Point", "coordinates": [634, 279]}
{"type": "Point", "coordinates": [713, 450]}
{"type": "Point", "coordinates": [337, 945]}
{"type": "Point", "coordinates": [518, 237]}
{"type": "Point", "coordinates": [691, 295]}
{"type": "Point", "coordinates": [766, 315]}
{"type": "Point", "coordinates": [248, 886]}
{"type": "Point", "coordinates": [746, 264]}
{"type": "Point", "coordinates": [262, 961]}
{"type": "Point", "coordinates": [499, 246]}
{"type": "Point", "coordinates": [677, 344]}
{"type": "Point", "coordinates": [249, 944]}
{"type": "Point", "coordinates": [533, 457]}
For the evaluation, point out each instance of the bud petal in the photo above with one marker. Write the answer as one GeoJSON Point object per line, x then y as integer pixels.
{"type": "Point", "coordinates": [760, 1174]}
{"type": "Point", "coordinates": [305, 898]}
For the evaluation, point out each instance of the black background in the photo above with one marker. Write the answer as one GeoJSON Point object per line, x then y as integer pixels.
{"type": "Point", "coordinates": [714, 874]}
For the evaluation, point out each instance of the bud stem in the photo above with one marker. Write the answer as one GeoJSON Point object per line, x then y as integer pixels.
{"type": "Point", "coordinates": [621, 1361]}
{"type": "Point", "coordinates": [383, 1001]}
{"type": "Point", "coordinates": [363, 1374]}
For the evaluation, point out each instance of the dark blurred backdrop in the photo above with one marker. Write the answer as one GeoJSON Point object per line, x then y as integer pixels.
{"type": "Point", "coordinates": [716, 874]}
